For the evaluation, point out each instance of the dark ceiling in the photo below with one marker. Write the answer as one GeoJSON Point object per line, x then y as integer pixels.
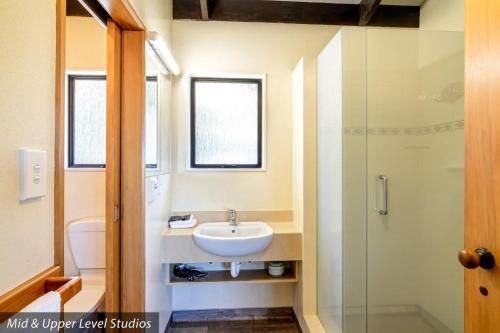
{"type": "Point", "coordinates": [368, 12]}
{"type": "Point", "coordinates": [74, 8]}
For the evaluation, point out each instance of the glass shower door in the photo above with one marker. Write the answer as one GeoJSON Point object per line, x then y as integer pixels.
{"type": "Point", "coordinates": [414, 180]}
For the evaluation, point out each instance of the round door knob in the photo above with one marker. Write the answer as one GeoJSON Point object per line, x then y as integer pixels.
{"type": "Point", "coordinates": [481, 257]}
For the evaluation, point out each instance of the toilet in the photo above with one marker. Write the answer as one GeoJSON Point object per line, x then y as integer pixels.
{"type": "Point", "coordinates": [87, 243]}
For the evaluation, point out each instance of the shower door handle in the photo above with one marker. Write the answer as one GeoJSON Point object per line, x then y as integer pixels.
{"type": "Point", "coordinates": [382, 179]}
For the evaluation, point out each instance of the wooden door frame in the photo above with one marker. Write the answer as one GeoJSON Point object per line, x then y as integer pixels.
{"type": "Point", "coordinates": [113, 166]}
{"type": "Point", "coordinates": [59, 135]}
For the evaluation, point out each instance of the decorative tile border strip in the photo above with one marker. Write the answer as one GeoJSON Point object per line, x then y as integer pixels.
{"type": "Point", "coordinates": [432, 129]}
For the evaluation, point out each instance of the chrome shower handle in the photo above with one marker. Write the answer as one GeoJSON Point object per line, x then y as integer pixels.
{"type": "Point", "coordinates": [385, 190]}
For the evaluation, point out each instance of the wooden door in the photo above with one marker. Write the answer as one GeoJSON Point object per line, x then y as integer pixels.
{"type": "Point", "coordinates": [126, 75]}
{"type": "Point", "coordinates": [133, 207]}
{"type": "Point", "coordinates": [113, 167]}
{"type": "Point", "coordinates": [482, 166]}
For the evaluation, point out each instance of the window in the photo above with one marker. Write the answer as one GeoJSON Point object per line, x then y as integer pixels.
{"type": "Point", "coordinates": [87, 121]}
{"type": "Point", "coordinates": [226, 123]}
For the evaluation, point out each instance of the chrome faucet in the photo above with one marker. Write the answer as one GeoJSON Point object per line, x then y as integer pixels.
{"type": "Point", "coordinates": [232, 217]}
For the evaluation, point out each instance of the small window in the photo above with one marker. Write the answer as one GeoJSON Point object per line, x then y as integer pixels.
{"type": "Point", "coordinates": [87, 121]}
{"type": "Point", "coordinates": [226, 123]}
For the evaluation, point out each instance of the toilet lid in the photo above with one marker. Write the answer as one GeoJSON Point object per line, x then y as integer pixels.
{"type": "Point", "coordinates": [87, 300]}
{"type": "Point", "coordinates": [93, 287]}
{"type": "Point", "coordinates": [93, 277]}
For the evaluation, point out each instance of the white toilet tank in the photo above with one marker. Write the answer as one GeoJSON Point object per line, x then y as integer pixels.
{"type": "Point", "coordinates": [87, 242]}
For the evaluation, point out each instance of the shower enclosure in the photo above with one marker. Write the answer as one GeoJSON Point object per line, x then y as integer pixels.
{"type": "Point", "coordinates": [390, 181]}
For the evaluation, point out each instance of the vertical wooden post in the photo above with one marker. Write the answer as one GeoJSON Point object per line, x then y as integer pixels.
{"type": "Point", "coordinates": [59, 135]}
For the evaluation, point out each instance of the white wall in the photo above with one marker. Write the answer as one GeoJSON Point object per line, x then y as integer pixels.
{"type": "Point", "coordinates": [232, 296]}
{"type": "Point", "coordinates": [27, 90]}
{"type": "Point", "coordinates": [84, 191]}
{"type": "Point", "coordinates": [158, 295]}
{"type": "Point", "coordinates": [442, 15]}
{"type": "Point", "coordinates": [85, 44]}
{"type": "Point", "coordinates": [252, 48]}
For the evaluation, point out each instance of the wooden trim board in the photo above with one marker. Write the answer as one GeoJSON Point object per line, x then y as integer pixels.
{"type": "Point", "coordinates": [122, 12]}
{"type": "Point", "coordinates": [19, 297]}
{"type": "Point", "coordinates": [67, 287]}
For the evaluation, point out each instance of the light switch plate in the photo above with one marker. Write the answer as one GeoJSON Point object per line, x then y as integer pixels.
{"type": "Point", "coordinates": [32, 174]}
{"type": "Point", "coordinates": [154, 188]}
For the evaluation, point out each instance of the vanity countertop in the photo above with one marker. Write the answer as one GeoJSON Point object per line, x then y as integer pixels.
{"type": "Point", "coordinates": [278, 228]}
{"type": "Point", "coordinates": [178, 246]}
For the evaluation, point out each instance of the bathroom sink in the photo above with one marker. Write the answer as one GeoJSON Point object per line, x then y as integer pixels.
{"type": "Point", "coordinates": [225, 240]}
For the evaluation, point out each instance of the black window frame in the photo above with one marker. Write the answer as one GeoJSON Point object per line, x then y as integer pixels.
{"type": "Point", "coordinates": [154, 78]}
{"type": "Point", "coordinates": [259, 83]}
{"type": "Point", "coordinates": [71, 119]}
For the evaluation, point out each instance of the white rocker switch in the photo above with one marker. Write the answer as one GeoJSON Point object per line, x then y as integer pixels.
{"type": "Point", "coordinates": [32, 174]}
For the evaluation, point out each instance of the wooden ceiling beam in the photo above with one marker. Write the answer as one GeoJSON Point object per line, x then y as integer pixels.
{"type": "Point", "coordinates": [396, 17]}
{"type": "Point", "coordinates": [367, 9]}
{"type": "Point", "coordinates": [204, 10]}
{"type": "Point", "coordinates": [296, 12]}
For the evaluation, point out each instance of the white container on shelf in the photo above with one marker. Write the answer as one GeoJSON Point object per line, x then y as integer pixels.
{"type": "Point", "coordinates": [276, 268]}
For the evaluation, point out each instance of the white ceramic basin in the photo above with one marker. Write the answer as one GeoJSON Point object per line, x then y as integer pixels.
{"type": "Point", "coordinates": [224, 240]}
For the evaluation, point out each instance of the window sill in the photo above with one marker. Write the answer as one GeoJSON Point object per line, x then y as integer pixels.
{"type": "Point", "coordinates": [189, 169]}
{"type": "Point", "coordinates": [84, 169]}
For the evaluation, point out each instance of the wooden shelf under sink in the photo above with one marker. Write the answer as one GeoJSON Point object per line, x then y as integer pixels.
{"type": "Point", "coordinates": [246, 276]}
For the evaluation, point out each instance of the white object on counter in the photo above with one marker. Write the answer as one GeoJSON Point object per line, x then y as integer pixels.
{"type": "Point", "coordinates": [183, 224]}
{"type": "Point", "coordinates": [50, 302]}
